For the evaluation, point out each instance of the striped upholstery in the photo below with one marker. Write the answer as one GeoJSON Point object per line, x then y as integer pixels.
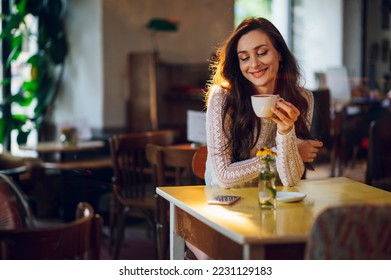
{"type": "Point", "coordinates": [351, 232]}
{"type": "Point", "coordinates": [15, 212]}
{"type": "Point", "coordinates": [10, 214]}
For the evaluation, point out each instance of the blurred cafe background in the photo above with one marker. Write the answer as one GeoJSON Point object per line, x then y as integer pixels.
{"type": "Point", "coordinates": [106, 67]}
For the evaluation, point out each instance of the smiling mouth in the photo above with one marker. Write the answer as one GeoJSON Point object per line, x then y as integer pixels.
{"type": "Point", "coordinates": [258, 73]}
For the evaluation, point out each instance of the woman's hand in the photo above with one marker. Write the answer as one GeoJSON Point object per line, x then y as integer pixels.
{"type": "Point", "coordinates": [308, 149]}
{"type": "Point", "coordinates": [285, 116]}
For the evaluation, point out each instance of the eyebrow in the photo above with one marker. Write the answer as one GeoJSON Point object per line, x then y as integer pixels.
{"type": "Point", "coordinates": [255, 48]}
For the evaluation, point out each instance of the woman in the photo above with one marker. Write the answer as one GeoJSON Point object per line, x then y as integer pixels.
{"type": "Point", "coordinates": [256, 60]}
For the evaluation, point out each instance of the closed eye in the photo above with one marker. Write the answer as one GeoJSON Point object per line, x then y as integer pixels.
{"type": "Point", "coordinates": [262, 53]}
{"type": "Point", "coordinates": [244, 58]}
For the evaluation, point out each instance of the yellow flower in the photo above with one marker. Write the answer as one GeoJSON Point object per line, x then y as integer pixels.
{"type": "Point", "coordinates": [266, 153]}
{"type": "Point", "coordinates": [268, 158]}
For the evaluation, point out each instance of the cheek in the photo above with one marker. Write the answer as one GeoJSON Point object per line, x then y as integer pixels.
{"type": "Point", "coordinates": [243, 67]}
{"type": "Point", "coordinates": [274, 62]}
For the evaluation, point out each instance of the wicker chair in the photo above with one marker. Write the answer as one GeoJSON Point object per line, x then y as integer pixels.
{"type": "Point", "coordinates": [80, 239]}
{"type": "Point", "coordinates": [15, 212]}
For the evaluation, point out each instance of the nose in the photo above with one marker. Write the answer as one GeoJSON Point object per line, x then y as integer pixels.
{"type": "Point", "coordinates": [255, 62]}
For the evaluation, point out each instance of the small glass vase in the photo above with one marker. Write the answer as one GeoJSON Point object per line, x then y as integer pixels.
{"type": "Point", "coordinates": [267, 190]}
{"type": "Point", "coordinates": [68, 136]}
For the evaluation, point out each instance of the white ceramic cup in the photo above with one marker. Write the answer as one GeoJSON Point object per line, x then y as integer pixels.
{"type": "Point", "coordinates": [262, 104]}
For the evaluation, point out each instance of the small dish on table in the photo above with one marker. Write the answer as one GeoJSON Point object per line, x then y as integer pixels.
{"type": "Point", "coordinates": [290, 196]}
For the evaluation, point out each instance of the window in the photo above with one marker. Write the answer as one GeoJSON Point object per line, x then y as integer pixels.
{"type": "Point", "coordinates": [317, 41]}
{"type": "Point", "coordinates": [257, 8]}
{"type": "Point", "coordinates": [277, 11]}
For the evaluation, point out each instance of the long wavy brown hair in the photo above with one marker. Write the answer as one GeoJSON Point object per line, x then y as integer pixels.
{"type": "Point", "coordinates": [237, 108]}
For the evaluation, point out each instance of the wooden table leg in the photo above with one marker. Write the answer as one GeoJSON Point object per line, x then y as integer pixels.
{"type": "Point", "coordinates": [177, 243]}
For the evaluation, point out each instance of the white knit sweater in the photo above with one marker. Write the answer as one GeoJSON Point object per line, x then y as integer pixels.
{"type": "Point", "coordinates": [220, 171]}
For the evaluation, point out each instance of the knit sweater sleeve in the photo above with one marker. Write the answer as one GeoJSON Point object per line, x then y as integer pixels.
{"type": "Point", "coordinates": [290, 166]}
{"type": "Point", "coordinates": [219, 168]}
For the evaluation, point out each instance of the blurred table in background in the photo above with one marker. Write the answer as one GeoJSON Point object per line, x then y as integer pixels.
{"type": "Point", "coordinates": [74, 173]}
{"type": "Point", "coordinates": [350, 126]}
{"type": "Point", "coordinates": [45, 149]}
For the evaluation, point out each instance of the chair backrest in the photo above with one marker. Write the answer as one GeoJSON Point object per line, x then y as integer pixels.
{"type": "Point", "coordinates": [80, 239]}
{"type": "Point", "coordinates": [379, 152]}
{"type": "Point", "coordinates": [172, 162]}
{"type": "Point", "coordinates": [15, 212]}
{"type": "Point", "coordinates": [321, 121]}
{"type": "Point", "coordinates": [129, 161]}
{"type": "Point", "coordinates": [199, 162]}
{"type": "Point", "coordinates": [351, 232]}
{"type": "Point", "coordinates": [172, 166]}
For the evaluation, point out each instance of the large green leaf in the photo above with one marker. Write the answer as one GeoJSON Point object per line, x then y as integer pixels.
{"type": "Point", "coordinates": [45, 97]}
{"type": "Point", "coordinates": [38, 60]}
{"type": "Point", "coordinates": [13, 22]}
{"type": "Point", "coordinates": [17, 44]}
{"type": "Point", "coordinates": [5, 82]}
{"type": "Point", "coordinates": [39, 67]}
{"type": "Point", "coordinates": [31, 86]}
{"type": "Point", "coordinates": [21, 6]}
{"type": "Point", "coordinates": [19, 120]}
{"type": "Point", "coordinates": [22, 98]}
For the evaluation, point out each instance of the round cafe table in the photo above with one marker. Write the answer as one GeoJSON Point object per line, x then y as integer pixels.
{"type": "Point", "coordinates": [68, 155]}
{"type": "Point", "coordinates": [58, 147]}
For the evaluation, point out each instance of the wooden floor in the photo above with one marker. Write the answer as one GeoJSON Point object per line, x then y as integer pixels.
{"type": "Point", "coordinates": [355, 172]}
{"type": "Point", "coordinates": [136, 246]}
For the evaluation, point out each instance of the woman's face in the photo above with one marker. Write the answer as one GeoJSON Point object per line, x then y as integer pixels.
{"type": "Point", "coordinates": [258, 60]}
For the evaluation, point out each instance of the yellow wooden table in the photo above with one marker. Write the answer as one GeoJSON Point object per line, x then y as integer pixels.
{"type": "Point", "coordinates": [243, 231]}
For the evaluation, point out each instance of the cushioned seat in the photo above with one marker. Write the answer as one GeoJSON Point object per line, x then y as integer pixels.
{"type": "Point", "coordinates": [351, 232]}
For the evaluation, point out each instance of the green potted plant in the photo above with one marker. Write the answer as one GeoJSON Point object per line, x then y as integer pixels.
{"type": "Point", "coordinates": [45, 66]}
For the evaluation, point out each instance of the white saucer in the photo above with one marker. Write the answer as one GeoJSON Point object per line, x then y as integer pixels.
{"type": "Point", "coordinates": [290, 196]}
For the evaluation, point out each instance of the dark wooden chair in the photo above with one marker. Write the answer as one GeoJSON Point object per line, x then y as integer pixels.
{"type": "Point", "coordinates": [350, 233]}
{"type": "Point", "coordinates": [133, 193]}
{"type": "Point", "coordinates": [80, 239]}
{"type": "Point", "coordinates": [321, 120]}
{"type": "Point", "coordinates": [173, 167]}
{"type": "Point", "coordinates": [15, 212]}
{"type": "Point", "coordinates": [322, 127]}
{"type": "Point", "coordinates": [378, 170]}
{"type": "Point", "coordinates": [173, 164]}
